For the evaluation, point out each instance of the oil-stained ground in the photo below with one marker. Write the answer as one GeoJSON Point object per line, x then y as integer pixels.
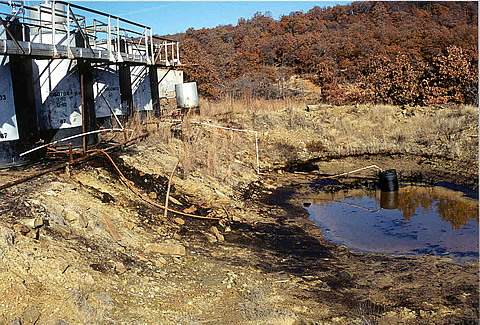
{"type": "Point", "coordinates": [78, 246]}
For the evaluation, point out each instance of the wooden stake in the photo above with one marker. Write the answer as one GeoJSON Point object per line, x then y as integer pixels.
{"type": "Point", "coordinates": [168, 188]}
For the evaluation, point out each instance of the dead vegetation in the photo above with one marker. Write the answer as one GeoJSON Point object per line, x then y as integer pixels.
{"type": "Point", "coordinates": [291, 130]}
{"type": "Point", "coordinates": [98, 259]}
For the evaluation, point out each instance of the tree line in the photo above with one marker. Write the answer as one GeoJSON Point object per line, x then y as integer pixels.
{"type": "Point", "coordinates": [403, 53]}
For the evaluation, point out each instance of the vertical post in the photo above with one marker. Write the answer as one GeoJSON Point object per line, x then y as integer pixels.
{"type": "Point", "coordinates": [94, 33]}
{"type": "Point", "coordinates": [178, 53]}
{"type": "Point", "coordinates": [53, 25]}
{"type": "Point", "coordinates": [40, 28]}
{"type": "Point", "coordinates": [146, 43]}
{"type": "Point", "coordinates": [68, 27]}
{"type": "Point", "coordinates": [256, 150]}
{"type": "Point", "coordinates": [82, 93]}
{"type": "Point", "coordinates": [166, 52]}
{"type": "Point", "coordinates": [24, 35]}
{"type": "Point", "coordinates": [109, 38]}
{"type": "Point", "coordinates": [173, 53]}
{"type": "Point", "coordinates": [151, 46]}
{"type": "Point", "coordinates": [118, 36]}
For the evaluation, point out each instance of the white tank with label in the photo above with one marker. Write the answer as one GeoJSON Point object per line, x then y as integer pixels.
{"type": "Point", "coordinates": [59, 101]}
{"type": "Point", "coordinates": [106, 91]}
{"type": "Point", "coordinates": [167, 79]}
{"type": "Point", "coordinates": [187, 95]}
{"type": "Point", "coordinates": [141, 91]}
{"type": "Point", "coordinates": [8, 117]}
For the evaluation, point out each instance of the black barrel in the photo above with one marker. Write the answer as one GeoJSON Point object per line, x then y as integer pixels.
{"type": "Point", "coordinates": [388, 180]}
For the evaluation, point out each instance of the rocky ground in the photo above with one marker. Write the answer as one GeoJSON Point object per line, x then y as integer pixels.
{"type": "Point", "coordinates": [78, 246]}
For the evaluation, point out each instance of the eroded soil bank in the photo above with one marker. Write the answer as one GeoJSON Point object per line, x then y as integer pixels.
{"type": "Point", "coordinates": [102, 255]}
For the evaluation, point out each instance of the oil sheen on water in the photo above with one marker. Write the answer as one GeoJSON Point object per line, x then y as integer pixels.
{"type": "Point", "coordinates": [415, 220]}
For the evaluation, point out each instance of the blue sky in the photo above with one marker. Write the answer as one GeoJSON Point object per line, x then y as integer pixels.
{"type": "Point", "coordinates": [170, 17]}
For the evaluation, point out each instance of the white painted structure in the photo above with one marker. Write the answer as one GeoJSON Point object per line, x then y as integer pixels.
{"type": "Point", "coordinates": [167, 79]}
{"type": "Point", "coordinates": [141, 91]}
{"type": "Point", "coordinates": [57, 83]}
{"type": "Point", "coordinates": [8, 117]}
{"type": "Point", "coordinates": [106, 91]}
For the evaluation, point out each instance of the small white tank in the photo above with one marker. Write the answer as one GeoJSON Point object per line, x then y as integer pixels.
{"type": "Point", "coordinates": [187, 95]}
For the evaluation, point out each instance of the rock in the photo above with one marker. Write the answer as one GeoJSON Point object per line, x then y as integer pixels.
{"type": "Point", "coordinates": [61, 322]}
{"type": "Point", "coordinates": [34, 223]}
{"type": "Point", "coordinates": [344, 275]}
{"type": "Point", "coordinates": [174, 200]}
{"type": "Point", "coordinates": [29, 316]}
{"type": "Point", "coordinates": [190, 210]}
{"type": "Point", "coordinates": [34, 233]}
{"type": "Point", "coordinates": [119, 268]}
{"type": "Point", "coordinates": [159, 261]}
{"type": "Point", "coordinates": [168, 247]}
{"type": "Point", "coordinates": [179, 221]}
{"type": "Point", "coordinates": [217, 233]}
{"type": "Point", "coordinates": [211, 238]}
{"type": "Point", "coordinates": [14, 321]}
{"type": "Point", "coordinates": [21, 229]}
{"type": "Point", "coordinates": [104, 300]}
{"type": "Point", "coordinates": [111, 228]}
{"type": "Point", "coordinates": [63, 230]}
{"type": "Point", "coordinates": [152, 195]}
{"type": "Point", "coordinates": [8, 237]}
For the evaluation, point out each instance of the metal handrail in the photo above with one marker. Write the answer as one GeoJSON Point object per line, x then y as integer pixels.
{"type": "Point", "coordinates": [151, 48]}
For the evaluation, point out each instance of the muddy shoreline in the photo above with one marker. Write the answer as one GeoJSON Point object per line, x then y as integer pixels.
{"type": "Point", "coordinates": [270, 265]}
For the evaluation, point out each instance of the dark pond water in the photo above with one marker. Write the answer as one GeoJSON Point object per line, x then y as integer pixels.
{"type": "Point", "coordinates": [415, 220]}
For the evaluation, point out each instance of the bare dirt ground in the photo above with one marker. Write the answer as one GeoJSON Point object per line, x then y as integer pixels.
{"type": "Point", "coordinates": [78, 247]}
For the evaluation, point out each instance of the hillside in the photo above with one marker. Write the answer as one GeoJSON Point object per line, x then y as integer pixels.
{"type": "Point", "coordinates": [402, 53]}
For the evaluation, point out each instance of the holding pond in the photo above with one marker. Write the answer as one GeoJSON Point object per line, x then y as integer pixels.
{"type": "Point", "coordinates": [415, 220]}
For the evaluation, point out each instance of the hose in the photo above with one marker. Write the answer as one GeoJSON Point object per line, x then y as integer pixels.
{"type": "Point", "coordinates": [146, 199]}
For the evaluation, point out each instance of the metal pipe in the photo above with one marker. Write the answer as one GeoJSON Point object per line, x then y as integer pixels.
{"type": "Point", "coordinates": [94, 33]}
{"type": "Point", "coordinates": [73, 137]}
{"type": "Point", "coordinates": [118, 36]}
{"type": "Point", "coordinates": [58, 167]}
{"type": "Point", "coordinates": [82, 93]}
{"type": "Point", "coordinates": [178, 53]}
{"type": "Point", "coordinates": [103, 14]}
{"type": "Point", "coordinates": [151, 46]}
{"type": "Point", "coordinates": [53, 24]}
{"type": "Point", "coordinates": [68, 27]}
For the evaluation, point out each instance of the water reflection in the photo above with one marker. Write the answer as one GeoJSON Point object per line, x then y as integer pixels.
{"type": "Point", "coordinates": [451, 206]}
{"type": "Point", "coordinates": [414, 220]}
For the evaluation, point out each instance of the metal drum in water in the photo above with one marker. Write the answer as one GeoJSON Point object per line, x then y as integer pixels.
{"type": "Point", "coordinates": [388, 180]}
{"type": "Point", "coordinates": [187, 95]}
{"type": "Point", "coordinates": [18, 118]}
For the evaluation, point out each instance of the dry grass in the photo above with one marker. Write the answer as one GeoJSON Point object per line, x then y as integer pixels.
{"type": "Point", "coordinates": [288, 132]}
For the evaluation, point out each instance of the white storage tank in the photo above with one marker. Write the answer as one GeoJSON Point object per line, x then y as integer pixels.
{"type": "Point", "coordinates": [167, 79]}
{"type": "Point", "coordinates": [57, 86]}
{"type": "Point", "coordinates": [141, 90]}
{"type": "Point", "coordinates": [106, 91]}
{"type": "Point", "coordinates": [18, 121]}
{"type": "Point", "coordinates": [187, 95]}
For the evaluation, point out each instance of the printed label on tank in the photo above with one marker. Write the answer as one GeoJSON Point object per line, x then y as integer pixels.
{"type": "Point", "coordinates": [167, 81]}
{"type": "Point", "coordinates": [8, 118]}
{"type": "Point", "coordinates": [106, 91]}
{"type": "Point", "coordinates": [61, 105]}
{"type": "Point", "coordinates": [142, 95]}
